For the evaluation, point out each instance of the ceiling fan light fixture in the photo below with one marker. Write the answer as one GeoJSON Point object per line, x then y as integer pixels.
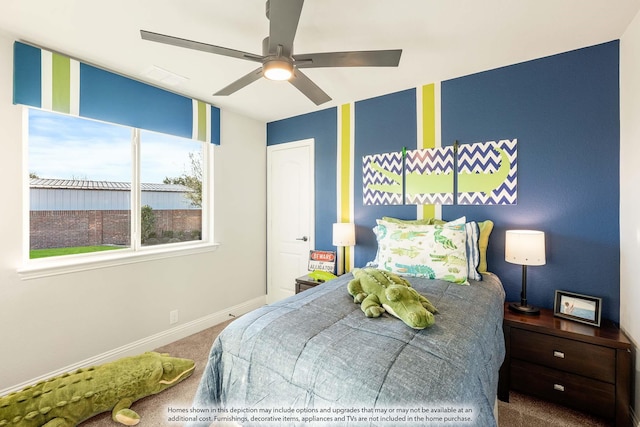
{"type": "Point", "coordinates": [277, 69]}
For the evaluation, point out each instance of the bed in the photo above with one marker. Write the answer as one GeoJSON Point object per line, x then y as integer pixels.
{"type": "Point", "coordinates": [316, 358]}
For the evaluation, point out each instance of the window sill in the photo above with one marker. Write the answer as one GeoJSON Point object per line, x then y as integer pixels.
{"type": "Point", "coordinates": [46, 267]}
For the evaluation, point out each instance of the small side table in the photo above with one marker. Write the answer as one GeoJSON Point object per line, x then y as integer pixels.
{"type": "Point", "coordinates": [305, 282]}
{"type": "Point", "coordinates": [573, 364]}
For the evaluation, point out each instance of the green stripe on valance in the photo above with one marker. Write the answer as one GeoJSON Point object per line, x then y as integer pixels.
{"type": "Point", "coordinates": [61, 77]}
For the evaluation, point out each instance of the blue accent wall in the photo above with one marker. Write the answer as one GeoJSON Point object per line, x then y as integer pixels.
{"type": "Point", "coordinates": [564, 111]}
{"type": "Point", "coordinates": [323, 127]}
{"type": "Point", "coordinates": [382, 125]}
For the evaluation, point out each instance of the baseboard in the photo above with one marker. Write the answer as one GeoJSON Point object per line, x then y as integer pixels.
{"type": "Point", "coordinates": [151, 342]}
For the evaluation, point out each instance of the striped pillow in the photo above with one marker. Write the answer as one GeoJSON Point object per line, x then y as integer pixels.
{"type": "Point", "coordinates": [473, 250]}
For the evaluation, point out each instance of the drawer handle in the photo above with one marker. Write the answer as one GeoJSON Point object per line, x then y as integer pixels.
{"type": "Point", "coordinates": [559, 354]}
{"type": "Point", "coordinates": [558, 387]}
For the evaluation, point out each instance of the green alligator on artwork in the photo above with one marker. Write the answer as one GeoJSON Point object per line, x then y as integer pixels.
{"type": "Point", "coordinates": [68, 399]}
{"type": "Point", "coordinates": [468, 182]}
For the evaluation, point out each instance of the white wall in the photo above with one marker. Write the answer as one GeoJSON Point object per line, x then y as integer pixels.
{"type": "Point", "coordinates": [51, 323]}
{"type": "Point", "coordinates": [629, 182]}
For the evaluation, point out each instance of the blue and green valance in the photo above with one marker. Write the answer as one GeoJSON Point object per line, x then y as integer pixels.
{"type": "Point", "coordinates": [55, 82]}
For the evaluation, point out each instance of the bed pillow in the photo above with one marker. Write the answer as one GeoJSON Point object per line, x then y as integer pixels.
{"type": "Point", "coordinates": [423, 221]}
{"type": "Point", "coordinates": [473, 250]}
{"type": "Point", "coordinates": [477, 247]}
{"type": "Point", "coordinates": [432, 251]}
{"type": "Point", "coordinates": [483, 242]}
{"type": "Point", "coordinates": [474, 255]}
{"type": "Point", "coordinates": [376, 259]}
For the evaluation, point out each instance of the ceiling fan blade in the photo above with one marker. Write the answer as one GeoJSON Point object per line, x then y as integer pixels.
{"type": "Point", "coordinates": [283, 22]}
{"type": "Point", "coordinates": [363, 58]}
{"type": "Point", "coordinates": [190, 44]}
{"type": "Point", "coordinates": [243, 81]}
{"type": "Point", "coordinates": [305, 85]}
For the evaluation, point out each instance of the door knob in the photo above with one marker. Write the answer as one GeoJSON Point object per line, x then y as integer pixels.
{"type": "Point", "coordinates": [303, 238]}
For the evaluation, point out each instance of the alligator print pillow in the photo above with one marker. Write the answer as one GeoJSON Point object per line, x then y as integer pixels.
{"type": "Point", "coordinates": [432, 251]}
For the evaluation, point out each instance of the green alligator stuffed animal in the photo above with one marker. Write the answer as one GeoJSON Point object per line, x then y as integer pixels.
{"type": "Point", "coordinates": [69, 399]}
{"type": "Point", "coordinates": [378, 291]}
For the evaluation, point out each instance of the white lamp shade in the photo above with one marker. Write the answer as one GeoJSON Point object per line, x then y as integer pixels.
{"type": "Point", "coordinates": [344, 234]}
{"type": "Point", "coordinates": [524, 247]}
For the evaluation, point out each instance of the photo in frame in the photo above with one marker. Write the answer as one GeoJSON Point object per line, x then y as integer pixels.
{"type": "Point", "coordinates": [577, 307]}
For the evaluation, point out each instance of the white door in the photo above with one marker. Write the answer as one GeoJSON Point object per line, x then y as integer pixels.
{"type": "Point", "coordinates": [290, 215]}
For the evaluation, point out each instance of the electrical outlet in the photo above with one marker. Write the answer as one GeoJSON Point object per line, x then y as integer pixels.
{"type": "Point", "coordinates": [173, 317]}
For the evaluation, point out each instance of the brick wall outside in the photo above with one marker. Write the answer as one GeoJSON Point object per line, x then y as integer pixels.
{"type": "Point", "coordinates": [58, 229]}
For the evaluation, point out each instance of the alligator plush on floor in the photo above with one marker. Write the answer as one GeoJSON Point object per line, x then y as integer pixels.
{"type": "Point", "coordinates": [378, 291]}
{"type": "Point", "coordinates": [69, 399]}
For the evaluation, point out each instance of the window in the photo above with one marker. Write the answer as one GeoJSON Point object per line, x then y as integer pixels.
{"type": "Point", "coordinates": [95, 187]}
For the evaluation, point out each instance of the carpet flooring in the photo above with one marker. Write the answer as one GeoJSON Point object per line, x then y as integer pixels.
{"type": "Point", "coordinates": [521, 411]}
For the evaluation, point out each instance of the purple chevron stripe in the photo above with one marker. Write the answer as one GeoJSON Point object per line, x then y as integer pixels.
{"type": "Point", "coordinates": [511, 151]}
{"type": "Point", "coordinates": [430, 154]}
{"type": "Point", "coordinates": [430, 161]}
{"type": "Point", "coordinates": [506, 189]}
{"type": "Point", "coordinates": [429, 169]}
{"type": "Point", "coordinates": [484, 165]}
{"type": "Point", "coordinates": [423, 199]}
{"type": "Point", "coordinates": [380, 198]}
{"type": "Point", "coordinates": [482, 148]}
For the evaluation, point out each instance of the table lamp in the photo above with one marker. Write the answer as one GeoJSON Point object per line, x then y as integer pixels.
{"type": "Point", "coordinates": [344, 234]}
{"type": "Point", "coordinates": [524, 247]}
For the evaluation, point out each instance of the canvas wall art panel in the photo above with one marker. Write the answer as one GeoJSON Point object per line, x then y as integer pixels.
{"type": "Point", "coordinates": [429, 176]}
{"type": "Point", "coordinates": [382, 179]}
{"type": "Point", "coordinates": [488, 173]}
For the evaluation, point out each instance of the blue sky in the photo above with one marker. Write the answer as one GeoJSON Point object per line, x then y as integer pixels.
{"type": "Point", "coordinates": [67, 147]}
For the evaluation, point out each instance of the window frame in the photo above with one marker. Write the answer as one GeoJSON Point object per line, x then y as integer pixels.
{"type": "Point", "coordinates": [51, 266]}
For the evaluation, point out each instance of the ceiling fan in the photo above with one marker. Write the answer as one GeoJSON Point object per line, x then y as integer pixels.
{"type": "Point", "coordinates": [278, 62]}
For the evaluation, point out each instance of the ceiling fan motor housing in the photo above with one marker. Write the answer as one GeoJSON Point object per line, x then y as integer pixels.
{"type": "Point", "coordinates": [276, 65]}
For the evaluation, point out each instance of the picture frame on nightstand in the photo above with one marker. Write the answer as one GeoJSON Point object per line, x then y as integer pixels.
{"type": "Point", "coordinates": [577, 307]}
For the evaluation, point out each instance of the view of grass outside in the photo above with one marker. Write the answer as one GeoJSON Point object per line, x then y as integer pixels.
{"type": "Point", "coordinates": [43, 253]}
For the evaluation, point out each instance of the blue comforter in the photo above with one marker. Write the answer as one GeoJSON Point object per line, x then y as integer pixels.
{"type": "Point", "coordinates": [315, 359]}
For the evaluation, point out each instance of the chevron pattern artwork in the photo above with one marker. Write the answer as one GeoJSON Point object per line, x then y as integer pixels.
{"type": "Point", "coordinates": [429, 176]}
{"type": "Point", "coordinates": [488, 173]}
{"type": "Point", "coordinates": [382, 179]}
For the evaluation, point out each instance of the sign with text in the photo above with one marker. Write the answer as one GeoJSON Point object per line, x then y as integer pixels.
{"type": "Point", "coordinates": [322, 260]}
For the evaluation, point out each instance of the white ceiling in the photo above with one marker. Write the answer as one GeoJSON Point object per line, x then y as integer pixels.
{"type": "Point", "coordinates": [441, 39]}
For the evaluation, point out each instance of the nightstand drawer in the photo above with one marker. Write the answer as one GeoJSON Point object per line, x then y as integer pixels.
{"type": "Point", "coordinates": [581, 393]}
{"type": "Point", "coordinates": [581, 358]}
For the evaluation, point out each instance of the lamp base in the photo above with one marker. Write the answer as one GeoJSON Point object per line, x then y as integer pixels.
{"type": "Point", "coordinates": [523, 309]}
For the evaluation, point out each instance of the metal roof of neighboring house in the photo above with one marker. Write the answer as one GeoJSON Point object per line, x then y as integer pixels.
{"type": "Point", "coordinates": [78, 184]}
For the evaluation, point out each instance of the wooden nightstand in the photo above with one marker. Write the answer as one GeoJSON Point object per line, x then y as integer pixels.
{"type": "Point", "coordinates": [573, 364]}
{"type": "Point", "coordinates": [305, 282]}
